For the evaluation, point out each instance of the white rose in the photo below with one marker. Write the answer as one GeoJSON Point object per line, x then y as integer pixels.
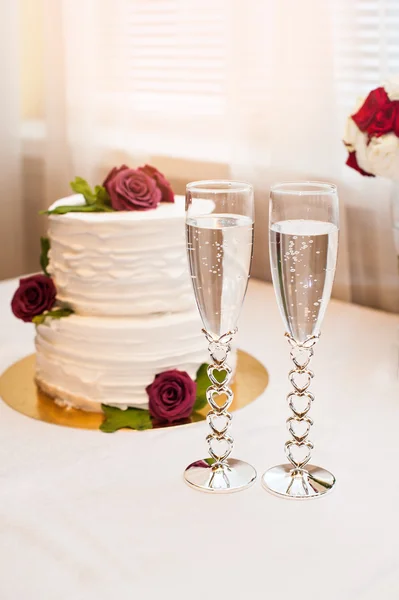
{"type": "Point", "coordinates": [382, 154]}
{"type": "Point", "coordinates": [352, 131]}
{"type": "Point", "coordinates": [352, 135]}
{"type": "Point", "coordinates": [392, 88]}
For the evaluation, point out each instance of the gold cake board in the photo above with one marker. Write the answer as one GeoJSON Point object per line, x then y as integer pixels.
{"type": "Point", "coordinates": [19, 391]}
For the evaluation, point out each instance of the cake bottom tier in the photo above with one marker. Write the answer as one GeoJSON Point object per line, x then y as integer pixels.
{"type": "Point", "coordinates": [87, 361]}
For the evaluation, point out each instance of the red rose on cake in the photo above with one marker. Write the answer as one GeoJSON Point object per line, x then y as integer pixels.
{"type": "Point", "coordinates": [137, 189]}
{"type": "Point", "coordinates": [131, 189]}
{"type": "Point", "coordinates": [171, 396]}
{"type": "Point", "coordinates": [35, 295]}
{"type": "Point", "coordinates": [161, 181]}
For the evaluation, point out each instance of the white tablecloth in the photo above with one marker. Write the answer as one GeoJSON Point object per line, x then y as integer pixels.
{"type": "Point", "coordinates": [86, 515]}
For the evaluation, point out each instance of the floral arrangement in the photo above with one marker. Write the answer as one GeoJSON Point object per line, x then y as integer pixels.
{"type": "Point", "coordinates": [36, 296]}
{"type": "Point", "coordinates": [171, 396]}
{"type": "Point", "coordinates": [174, 397]}
{"type": "Point", "coordinates": [372, 133]}
{"type": "Point", "coordinates": [123, 189]}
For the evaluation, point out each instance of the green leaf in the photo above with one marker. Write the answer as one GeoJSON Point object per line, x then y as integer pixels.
{"type": "Point", "coordinates": [39, 319]}
{"type": "Point", "coordinates": [133, 418]}
{"type": "Point", "coordinates": [96, 201]}
{"type": "Point", "coordinates": [63, 210]}
{"type": "Point", "coordinates": [102, 196]}
{"type": "Point", "coordinates": [203, 382]}
{"type": "Point", "coordinates": [45, 247]}
{"type": "Point", "coordinates": [104, 208]}
{"type": "Point", "coordinates": [80, 186]}
{"type": "Point", "coordinates": [58, 313]}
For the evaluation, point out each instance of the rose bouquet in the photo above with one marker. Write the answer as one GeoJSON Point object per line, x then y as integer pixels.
{"type": "Point", "coordinates": [372, 133]}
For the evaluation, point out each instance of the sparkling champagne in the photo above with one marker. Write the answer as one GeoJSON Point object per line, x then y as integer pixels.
{"type": "Point", "coordinates": [303, 259]}
{"type": "Point", "coordinates": [220, 252]}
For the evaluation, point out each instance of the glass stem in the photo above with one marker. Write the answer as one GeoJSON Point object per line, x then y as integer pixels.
{"type": "Point", "coordinates": [220, 443]}
{"type": "Point", "coordinates": [298, 449]}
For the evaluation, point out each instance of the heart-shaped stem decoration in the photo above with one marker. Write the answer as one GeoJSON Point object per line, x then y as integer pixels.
{"type": "Point", "coordinates": [223, 377]}
{"type": "Point", "coordinates": [219, 423]}
{"type": "Point", "coordinates": [298, 449]}
{"type": "Point", "coordinates": [301, 379]}
{"type": "Point", "coordinates": [220, 447]}
{"type": "Point", "coordinates": [301, 358]}
{"type": "Point", "coordinates": [218, 353]}
{"type": "Point", "coordinates": [220, 399]}
{"type": "Point", "coordinates": [219, 396]}
{"type": "Point", "coordinates": [299, 427]}
{"type": "Point", "coordinates": [300, 404]}
{"type": "Point", "coordinates": [298, 453]}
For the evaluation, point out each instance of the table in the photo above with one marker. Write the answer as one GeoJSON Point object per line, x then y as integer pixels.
{"type": "Point", "coordinates": [85, 515]}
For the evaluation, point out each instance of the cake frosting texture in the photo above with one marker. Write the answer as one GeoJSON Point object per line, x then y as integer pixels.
{"type": "Point", "coordinates": [121, 263]}
{"type": "Point", "coordinates": [94, 360]}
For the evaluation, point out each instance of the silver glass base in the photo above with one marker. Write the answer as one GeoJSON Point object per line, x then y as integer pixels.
{"type": "Point", "coordinates": [233, 476]}
{"type": "Point", "coordinates": [298, 484]}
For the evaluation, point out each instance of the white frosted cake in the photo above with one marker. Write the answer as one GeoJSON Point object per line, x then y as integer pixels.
{"type": "Point", "coordinates": [125, 276]}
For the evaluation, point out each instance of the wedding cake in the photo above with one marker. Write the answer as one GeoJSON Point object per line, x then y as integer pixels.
{"type": "Point", "coordinates": [114, 308]}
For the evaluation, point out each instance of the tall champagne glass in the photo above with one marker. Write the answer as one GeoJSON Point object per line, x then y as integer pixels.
{"type": "Point", "coordinates": [303, 253]}
{"type": "Point", "coordinates": [219, 234]}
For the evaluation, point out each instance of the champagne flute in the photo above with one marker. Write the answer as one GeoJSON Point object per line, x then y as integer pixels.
{"type": "Point", "coordinates": [303, 253]}
{"type": "Point", "coordinates": [219, 234]}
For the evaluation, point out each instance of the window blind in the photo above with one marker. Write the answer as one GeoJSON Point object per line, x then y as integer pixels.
{"type": "Point", "coordinates": [366, 43]}
{"type": "Point", "coordinates": [162, 69]}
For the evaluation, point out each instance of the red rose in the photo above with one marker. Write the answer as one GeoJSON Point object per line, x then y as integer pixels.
{"type": "Point", "coordinates": [352, 162]}
{"type": "Point", "coordinates": [375, 101]}
{"type": "Point", "coordinates": [35, 295]}
{"type": "Point", "coordinates": [384, 120]}
{"type": "Point", "coordinates": [171, 396]}
{"type": "Point", "coordinates": [131, 189]}
{"type": "Point", "coordinates": [161, 181]}
{"type": "Point", "coordinates": [396, 121]}
{"type": "Point", "coordinates": [377, 115]}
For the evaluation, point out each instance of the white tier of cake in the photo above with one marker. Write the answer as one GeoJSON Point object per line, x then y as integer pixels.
{"type": "Point", "coordinates": [88, 361]}
{"type": "Point", "coordinates": [125, 275]}
{"type": "Point", "coordinates": [121, 263]}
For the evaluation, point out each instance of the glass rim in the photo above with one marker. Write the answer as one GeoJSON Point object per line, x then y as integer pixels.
{"type": "Point", "coordinates": [294, 187]}
{"type": "Point", "coordinates": [225, 185]}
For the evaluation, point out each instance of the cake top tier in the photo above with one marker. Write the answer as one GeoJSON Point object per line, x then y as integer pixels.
{"type": "Point", "coordinates": [121, 263]}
